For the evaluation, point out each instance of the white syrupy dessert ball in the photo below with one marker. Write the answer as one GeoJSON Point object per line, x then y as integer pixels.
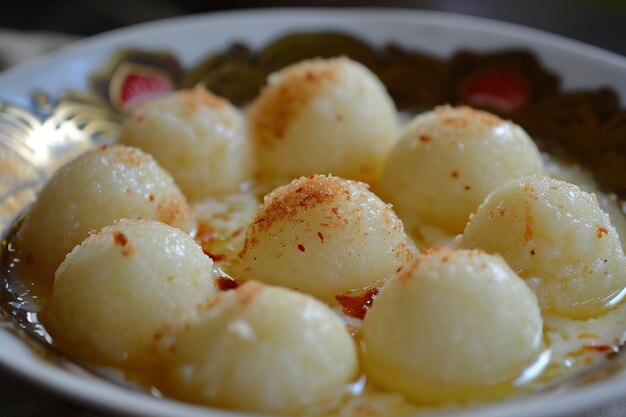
{"type": "Point", "coordinates": [119, 292]}
{"type": "Point", "coordinates": [199, 138]}
{"type": "Point", "coordinates": [263, 349]}
{"type": "Point", "coordinates": [323, 235]}
{"type": "Point", "coordinates": [324, 116]}
{"type": "Point", "coordinates": [557, 238]}
{"type": "Point", "coordinates": [449, 159]}
{"type": "Point", "coordinates": [452, 326]}
{"type": "Point", "coordinates": [92, 191]}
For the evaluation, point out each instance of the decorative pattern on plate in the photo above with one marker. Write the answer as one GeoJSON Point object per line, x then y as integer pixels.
{"type": "Point", "coordinates": [131, 77]}
{"type": "Point", "coordinates": [588, 126]}
{"type": "Point", "coordinates": [34, 143]}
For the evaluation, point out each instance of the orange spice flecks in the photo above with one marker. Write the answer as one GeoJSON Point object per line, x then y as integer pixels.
{"type": "Point", "coordinates": [528, 188]}
{"type": "Point", "coordinates": [463, 116]}
{"type": "Point", "coordinates": [128, 156]}
{"type": "Point", "coordinates": [304, 193]}
{"type": "Point", "coordinates": [281, 103]}
{"type": "Point", "coordinates": [601, 230]}
{"type": "Point", "coordinates": [199, 97]}
{"type": "Point", "coordinates": [171, 209]}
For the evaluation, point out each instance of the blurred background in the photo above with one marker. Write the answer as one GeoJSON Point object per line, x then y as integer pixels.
{"type": "Point", "coordinates": [597, 22]}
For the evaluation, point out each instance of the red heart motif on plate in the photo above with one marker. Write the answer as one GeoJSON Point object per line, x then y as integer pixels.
{"type": "Point", "coordinates": [138, 87]}
{"type": "Point", "coordinates": [503, 89]}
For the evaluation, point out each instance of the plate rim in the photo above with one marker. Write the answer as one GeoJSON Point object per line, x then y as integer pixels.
{"type": "Point", "coordinates": [74, 386]}
{"type": "Point", "coordinates": [481, 24]}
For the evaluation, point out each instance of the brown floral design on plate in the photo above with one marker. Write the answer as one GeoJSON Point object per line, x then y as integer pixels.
{"type": "Point", "coordinates": [587, 126]}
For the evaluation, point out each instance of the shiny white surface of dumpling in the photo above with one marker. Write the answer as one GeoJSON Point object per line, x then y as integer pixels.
{"type": "Point", "coordinates": [263, 349]}
{"type": "Point", "coordinates": [117, 293]}
{"type": "Point", "coordinates": [323, 235]}
{"type": "Point", "coordinates": [449, 159]}
{"type": "Point", "coordinates": [452, 326]}
{"type": "Point", "coordinates": [557, 238]}
{"type": "Point", "coordinates": [199, 138]}
{"type": "Point", "coordinates": [90, 192]}
{"type": "Point", "coordinates": [324, 116]}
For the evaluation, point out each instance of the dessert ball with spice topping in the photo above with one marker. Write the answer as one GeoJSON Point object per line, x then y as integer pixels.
{"type": "Point", "coordinates": [92, 191]}
{"type": "Point", "coordinates": [263, 349]}
{"type": "Point", "coordinates": [452, 326]}
{"type": "Point", "coordinates": [557, 238]}
{"type": "Point", "coordinates": [199, 138]}
{"type": "Point", "coordinates": [119, 292]}
{"type": "Point", "coordinates": [323, 116]}
{"type": "Point", "coordinates": [448, 160]}
{"type": "Point", "coordinates": [323, 235]}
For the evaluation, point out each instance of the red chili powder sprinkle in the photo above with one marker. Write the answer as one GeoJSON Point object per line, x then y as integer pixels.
{"type": "Point", "coordinates": [321, 236]}
{"type": "Point", "coordinates": [357, 305]}
{"type": "Point", "coordinates": [598, 348]}
{"type": "Point", "coordinates": [600, 231]}
{"type": "Point", "coordinates": [119, 238]}
{"type": "Point", "coordinates": [301, 247]}
{"type": "Point", "coordinates": [226, 283]}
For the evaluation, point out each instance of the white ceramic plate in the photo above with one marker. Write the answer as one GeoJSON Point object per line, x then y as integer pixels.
{"type": "Point", "coordinates": [193, 38]}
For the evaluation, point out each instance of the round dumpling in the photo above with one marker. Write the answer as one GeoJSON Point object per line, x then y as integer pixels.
{"type": "Point", "coordinates": [199, 138]}
{"type": "Point", "coordinates": [92, 191]}
{"type": "Point", "coordinates": [323, 235]}
{"type": "Point", "coordinates": [263, 349]}
{"type": "Point", "coordinates": [123, 288]}
{"type": "Point", "coordinates": [324, 116]}
{"type": "Point", "coordinates": [449, 159]}
{"type": "Point", "coordinates": [452, 326]}
{"type": "Point", "coordinates": [557, 238]}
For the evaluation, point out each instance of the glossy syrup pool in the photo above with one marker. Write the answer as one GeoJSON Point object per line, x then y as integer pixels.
{"type": "Point", "coordinates": [576, 350]}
